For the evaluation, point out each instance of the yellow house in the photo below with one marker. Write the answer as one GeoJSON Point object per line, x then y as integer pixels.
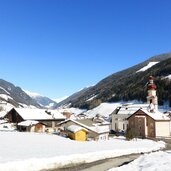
{"type": "Point", "coordinates": [76, 132]}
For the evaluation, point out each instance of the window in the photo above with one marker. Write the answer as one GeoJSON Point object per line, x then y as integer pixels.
{"type": "Point", "coordinates": [115, 126]}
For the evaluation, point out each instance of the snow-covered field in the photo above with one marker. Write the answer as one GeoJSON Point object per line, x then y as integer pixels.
{"type": "Point", "coordinates": [158, 161]}
{"type": "Point", "coordinates": [33, 151]}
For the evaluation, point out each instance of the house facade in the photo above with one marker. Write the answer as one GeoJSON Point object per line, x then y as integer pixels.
{"type": "Point", "coordinates": [121, 114]}
{"type": "Point", "coordinates": [49, 118]}
{"type": "Point", "coordinates": [77, 133]}
{"type": "Point", "coordinates": [146, 124]}
{"type": "Point", "coordinates": [31, 126]}
{"type": "Point", "coordinates": [150, 122]}
{"type": "Point", "coordinates": [95, 131]}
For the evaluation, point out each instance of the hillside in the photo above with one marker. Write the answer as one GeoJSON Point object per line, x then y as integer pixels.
{"type": "Point", "coordinates": [129, 84]}
{"type": "Point", "coordinates": [9, 93]}
{"type": "Point", "coordinates": [68, 101]}
{"type": "Point", "coordinates": [43, 101]}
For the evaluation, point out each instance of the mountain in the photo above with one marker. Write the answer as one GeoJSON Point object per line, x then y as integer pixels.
{"type": "Point", "coordinates": [42, 100]}
{"type": "Point", "coordinates": [128, 84]}
{"type": "Point", "coordinates": [9, 93]}
{"type": "Point", "coordinates": [68, 101]}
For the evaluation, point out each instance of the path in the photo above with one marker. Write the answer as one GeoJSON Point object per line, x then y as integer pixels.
{"type": "Point", "coordinates": [102, 165]}
{"type": "Point", "coordinates": [107, 164]}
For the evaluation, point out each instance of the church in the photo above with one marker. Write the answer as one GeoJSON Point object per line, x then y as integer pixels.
{"type": "Point", "coordinates": [149, 122]}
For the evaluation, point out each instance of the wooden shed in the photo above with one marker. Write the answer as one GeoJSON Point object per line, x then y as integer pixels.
{"type": "Point", "coordinates": [76, 132]}
{"type": "Point", "coordinates": [31, 126]}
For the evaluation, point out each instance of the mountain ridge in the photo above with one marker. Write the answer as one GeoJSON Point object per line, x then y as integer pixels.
{"type": "Point", "coordinates": [117, 86]}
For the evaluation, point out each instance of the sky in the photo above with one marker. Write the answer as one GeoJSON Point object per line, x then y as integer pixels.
{"type": "Point", "coordinates": [57, 47]}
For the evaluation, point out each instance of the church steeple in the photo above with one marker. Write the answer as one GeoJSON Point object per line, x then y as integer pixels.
{"type": "Point", "coordinates": [152, 99]}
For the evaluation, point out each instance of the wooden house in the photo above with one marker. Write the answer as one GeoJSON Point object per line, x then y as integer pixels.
{"type": "Point", "coordinates": [95, 131]}
{"type": "Point", "coordinates": [144, 123]}
{"type": "Point", "coordinates": [31, 126]}
{"type": "Point", "coordinates": [50, 118]}
{"type": "Point", "coordinates": [120, 116]}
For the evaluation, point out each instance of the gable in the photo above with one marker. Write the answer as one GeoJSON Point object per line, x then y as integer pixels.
{"type": "Point", "coordinates": [137, 113]}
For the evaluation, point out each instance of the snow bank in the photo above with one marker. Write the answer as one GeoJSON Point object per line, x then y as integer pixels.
{"type": "Point", "coordinates": [149, 162]}
{"type": "Point", "coordinates": [33, 151]}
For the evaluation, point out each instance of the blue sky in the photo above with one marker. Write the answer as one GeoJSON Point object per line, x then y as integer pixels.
{"type": "Point", "coordinates": [57, 47]}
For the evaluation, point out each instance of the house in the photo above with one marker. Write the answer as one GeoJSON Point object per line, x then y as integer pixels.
{"type": "Point", "coordinates": [120, 116]}
{"type": "Point", "coordinates": [150, 122]}
{"type": "Point", "coordinates": [50, 118]}
{"type": "Point", "coordinates": [76, 132]}
{"type": "Point", "coordinates": [96, 131]}
{"type": "Point", "coordinates": [144, 123]}
{"type": "Point", "coordinates": [31, 126]}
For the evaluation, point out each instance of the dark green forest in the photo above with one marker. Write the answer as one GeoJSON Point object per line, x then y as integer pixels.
{"type": "Point", "coordinates": [129, 85]}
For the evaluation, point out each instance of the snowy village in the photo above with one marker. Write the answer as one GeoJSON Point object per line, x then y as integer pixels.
{"type": "Point", "coordinates": [107, 131]}
{"type": "Point", "coordinates": [85, 85]}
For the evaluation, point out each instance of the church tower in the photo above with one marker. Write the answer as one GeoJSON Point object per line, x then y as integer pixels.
{"type": "Point", "coordinates": [152, 99]}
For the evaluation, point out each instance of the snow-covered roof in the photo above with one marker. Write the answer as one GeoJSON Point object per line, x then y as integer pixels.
{"type": "Point", "coordinates": [39, 114]}
{"type": "Point", "coordinates": [28, 123]}
{"type": "Point", "coordinates": [130, 109]}
{"type": "Point", "coordinates": [75, 128]}
{"type": "Point", "coordinates": [156, 115]}
{"type": "Point", "coordinates": [96, 129]}
{"type": "Point", "coordinates": [2, 114]}
{"type": "Point", "coordinates": [100, 129]}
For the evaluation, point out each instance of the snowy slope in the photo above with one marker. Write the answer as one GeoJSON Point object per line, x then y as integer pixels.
{"type": "Point", "coordinates": [75, 111]}
{"type": "Point", "coordinates": [150, 64]}
{"type": "Point", "coordinates": [33, 151]}
{"type": "Point", "coordinates": [169, 77]}
{"type": "Point", "coordinates": [104, 109]}
{"type": "Point", "coordinates": [14, 95]}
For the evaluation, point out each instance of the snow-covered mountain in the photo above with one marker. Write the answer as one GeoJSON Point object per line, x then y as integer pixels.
{"type": "Point", "coordinates": [14, 95]}
{"type": "Point", "coordinates": [58, 100]}
{"type": "Point", "coordinates": [42, 100]}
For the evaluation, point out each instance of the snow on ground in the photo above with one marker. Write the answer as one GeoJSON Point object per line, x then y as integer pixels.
{"type": "Point", "coordinates": [150, 64]}
{"type": "Point", "coordinates": [75, 111]}
{"type": "Point", "coordinates": [4, 90]}
{"type": "Point", "coordinates": [104, 109]}
{"type": "Point", "coordinates": [149, 162]}
{"type": "Point", "coordinates": [91, 98]}
{"type": "Point", "coordinates": [5, 97]}
{"type": "Point", "coordinates": [169, 77]}
{"type": "Point", "coordinates": [33, 151]}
